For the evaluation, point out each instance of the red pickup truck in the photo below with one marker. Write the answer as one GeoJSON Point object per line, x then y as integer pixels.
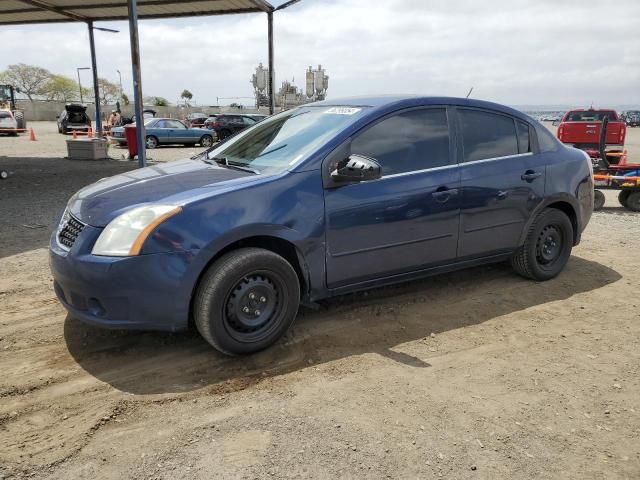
{"type": "Point", "coordinates": [581, 128]}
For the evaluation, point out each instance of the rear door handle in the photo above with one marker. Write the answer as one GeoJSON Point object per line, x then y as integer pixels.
{"type": "Point", "coordinates": [502, 194]}
{"type": "Point", "coordinates": [443, 193]}
{"type": "Point", "coordinates": [530, 175]}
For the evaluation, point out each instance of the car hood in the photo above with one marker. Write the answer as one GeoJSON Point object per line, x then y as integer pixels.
{"type": "Point", "coordinates": [174, 183]}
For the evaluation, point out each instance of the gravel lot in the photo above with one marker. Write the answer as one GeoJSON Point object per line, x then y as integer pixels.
{"type": "Point", "coordinates": [476, 374]}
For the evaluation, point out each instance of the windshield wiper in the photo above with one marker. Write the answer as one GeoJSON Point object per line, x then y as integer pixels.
{"type": "Point", "coordinates": [224, 162]}
{"type": "Point", "coordinates": [271, 151]}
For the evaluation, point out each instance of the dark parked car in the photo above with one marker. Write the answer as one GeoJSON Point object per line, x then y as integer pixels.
{"type": "Point", "coordinates": [73, 117]}
{"type": "Point", "coordinates": [226, 125]}
{"type": "Point", "coordinates": [317, 201]}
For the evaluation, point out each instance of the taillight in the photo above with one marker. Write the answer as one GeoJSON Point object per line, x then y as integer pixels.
{"type": "Point", "coordinates": [623, 130]}
{"type": "Point", "coordinates": [215, 124]}
{"type": "Point", "coordinates": [560, 131]}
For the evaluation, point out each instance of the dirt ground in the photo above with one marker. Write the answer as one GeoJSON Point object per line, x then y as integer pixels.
{"type": "Point", "coordinates": [476, 374]}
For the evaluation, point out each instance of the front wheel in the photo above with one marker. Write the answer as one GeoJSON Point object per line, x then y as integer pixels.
{"type": "Point", "coordinates": [246, 301]}
{"type": "Point", "coordinates": [547, 247]}
{"type": "Point", "coordinates": [206, 141]}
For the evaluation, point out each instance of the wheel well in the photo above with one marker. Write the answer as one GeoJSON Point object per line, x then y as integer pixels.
{"type": "Point", "coordinates": [284, 248]}
{"type": "Point", "coordinates": [569, 212]}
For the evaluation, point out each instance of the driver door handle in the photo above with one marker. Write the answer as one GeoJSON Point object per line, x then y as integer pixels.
{"type": "Point", "coordinates": [442, 194]}
{"type": "Point", "coordinates": [530, 175]}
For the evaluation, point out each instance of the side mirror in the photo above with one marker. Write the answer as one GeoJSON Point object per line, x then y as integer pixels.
{"type": "Point", "coordinates": [357, 168]}
{"type": "Point", "coordinates": [555, 123]}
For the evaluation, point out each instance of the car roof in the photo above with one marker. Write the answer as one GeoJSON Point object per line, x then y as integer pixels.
{"type": "Point", "coordinates": [390, 102]}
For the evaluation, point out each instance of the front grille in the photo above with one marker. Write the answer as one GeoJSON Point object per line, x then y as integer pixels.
{"type": "Point", "coordinates": [71, 228]}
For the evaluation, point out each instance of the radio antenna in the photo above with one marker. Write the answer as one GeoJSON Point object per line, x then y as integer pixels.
{"type": "Point", "coordinates": [470, 90]}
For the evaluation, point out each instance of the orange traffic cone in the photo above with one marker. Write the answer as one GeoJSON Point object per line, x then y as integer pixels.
{"type": "Point", "coordinates": [32, 135]}
{"type": "Point", "coordinates": [90, 133]}
{"type": "Point", "coordinates": [75, 135]}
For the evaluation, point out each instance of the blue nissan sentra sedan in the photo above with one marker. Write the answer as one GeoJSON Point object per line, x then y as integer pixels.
{"type": "Point", "coordinates": [320, 200]}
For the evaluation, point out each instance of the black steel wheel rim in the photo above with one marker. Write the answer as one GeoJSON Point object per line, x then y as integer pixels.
{"type": "Point", "coordinates": [254, 306]}
{"type": "Point", "coordinates": [549, 245]}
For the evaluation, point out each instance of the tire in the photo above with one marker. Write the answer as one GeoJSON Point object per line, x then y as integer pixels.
{"type": "Point", "coordinates": [206, 141]}
{"type": "Point", "coordinates": [224, 134]}
{"type": "Point", "coordinates": [622, 197]}
{"type": "Point", "coordinates": [546, 248]}
{"type": "Point", "coordinates": [227, 303]}
{"type": "Point", "coordinates": [152, 142]}
{"type": "Point", "coordinates": [598, 200]}
{"type": "Point", "coordinates": [633, 201]}
{"type": "Point", "coordinates": [19, 117]}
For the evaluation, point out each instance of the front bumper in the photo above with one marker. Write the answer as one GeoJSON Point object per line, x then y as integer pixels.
{"type": "Point", "coordinates": [145, 292]}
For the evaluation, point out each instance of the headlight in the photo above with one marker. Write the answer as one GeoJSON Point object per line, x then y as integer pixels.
{"type": "Point", "coordinates": [125, 234]}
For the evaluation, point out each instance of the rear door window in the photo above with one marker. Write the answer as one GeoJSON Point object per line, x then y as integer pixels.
{"type": "Point", "coordinates": [487, 135]}
{"type": "Point", "coordinates": [408, 141]}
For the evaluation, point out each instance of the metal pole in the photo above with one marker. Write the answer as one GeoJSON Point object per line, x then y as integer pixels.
{"type": "Point", "coordinates": [137, 81]}
{"type": "Point", "coordinates": [79, 85]}
{"type": "Point", "coordinates": [120, 77]}
{"type": "Point", "coordinates": [272, 74]}
{"type": "Point", "coordinates": [96, 87]}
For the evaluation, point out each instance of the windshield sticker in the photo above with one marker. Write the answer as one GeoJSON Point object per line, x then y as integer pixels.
{"type": "Point", "coordinates": [343, 110]}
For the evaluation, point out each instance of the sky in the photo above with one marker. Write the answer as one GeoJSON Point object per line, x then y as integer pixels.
{"type": "Point", "coordinates": [516, 52]}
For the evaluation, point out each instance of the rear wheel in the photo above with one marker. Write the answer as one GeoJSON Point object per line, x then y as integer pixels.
{"type": "Point", "coordinates": [151, 142]}
{"type": "Point", "coordinates": [206, 141]}
{"type": "Point", "coordinates": [224, 134]}
{"type": "Point", "coordinates": [598, 200]}
{"type": "Point", "coordinates": [547, 247]}
{"type": "Point", "coordinates": [246, 301]}
{"type": "Point", "coordinates": [633, 201]}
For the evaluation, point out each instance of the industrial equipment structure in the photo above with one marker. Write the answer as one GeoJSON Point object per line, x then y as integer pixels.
{"type": "Point", "coordinates": [289, 95]}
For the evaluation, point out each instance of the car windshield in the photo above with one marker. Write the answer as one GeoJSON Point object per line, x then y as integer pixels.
{"type": "Point", "coordinates": [281, 141]}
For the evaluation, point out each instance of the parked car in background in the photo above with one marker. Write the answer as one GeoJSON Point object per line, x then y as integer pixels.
{"type": "Point", "coordinates": [632, 118]}
{"type": "Point", "coordinates": [208, 123]}
{"type": "Point", "coordinates": [73, 117]}
{"type": "Point", "coordinates": [226, 125]}
{"type": "Point", "coordinates": [197, 122]}
{"type": "Point", "coordinates": [8, 123]}
{"type": "Point", "coordinates": [320, 200]}
{"type": "Point", "coordinates": [581, 128]}
{"type": "Point", "coordinates": [167, 131]}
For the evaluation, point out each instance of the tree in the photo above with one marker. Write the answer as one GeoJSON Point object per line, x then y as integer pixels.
{"type": "Point", "coordinates": [62, 89]}
{"type": "Point", "coordinates": [28, 78]}
{"type": "Point", "coordinates": [109, 92]}
{"type": "Point", "coordinates": [186, 95]}
{"type": "Point", "coordinates": [160, 102]}
{"type": "Point", "coordinates": [125, 99]}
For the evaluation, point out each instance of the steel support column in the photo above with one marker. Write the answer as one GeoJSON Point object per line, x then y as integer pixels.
{"type": "Point", "coordinates": [137, 81]}
{"type": "Point", "coordinates": [272, 73]}
{"type": "Point", "coordinates": [96, 87]}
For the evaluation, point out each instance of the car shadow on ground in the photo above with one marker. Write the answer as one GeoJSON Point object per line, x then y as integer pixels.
{"type": "Point", "coordinates": [376, 321]}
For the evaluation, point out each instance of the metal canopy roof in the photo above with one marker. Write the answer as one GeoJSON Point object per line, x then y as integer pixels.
{"type": "Point", "coordinates": [14, 12]}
